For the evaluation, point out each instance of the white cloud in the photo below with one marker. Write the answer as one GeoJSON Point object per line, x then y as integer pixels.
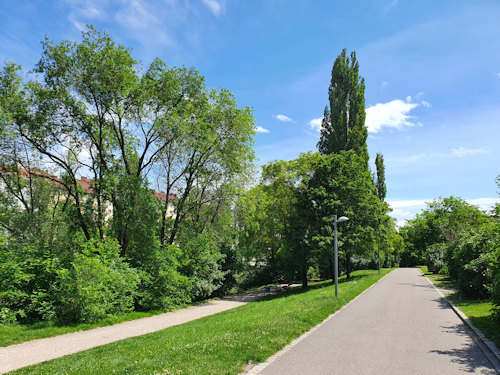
{"type": "Point", "coordinates": [426, 104]}
{"type": "Point", "coordinates": [408, 203]}
{"type": "Point", "coordinates": [88, 10]}
{"type": "Point", "coordinates": [135, 15]}
{"type": "Point", "coordinates": [461, 152]}
{"type": "Point", "coordinates": [406, 209]}
{"type": "Point", "coordinates": [283, 118]}
{"type": "Point", "coordinates": [454, 153]}
{"type": "Point", "coordinates": [394, 114]}
{"type": "Point", "coordinates": [315, 124]}
{"type": "Point", "coordinates": [214, 6]}
{"type": "Point", "coordinates": [393, 4]}
{"type": "Point", "coordinates": [260, 129]}
{"type": "Point", "coordinates": [484, 203]}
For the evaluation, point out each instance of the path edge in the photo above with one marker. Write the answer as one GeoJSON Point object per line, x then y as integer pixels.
{"type": "Point", "coordinates": [488, 348]}
{"type": "Point", "coordinates": [259, 367]}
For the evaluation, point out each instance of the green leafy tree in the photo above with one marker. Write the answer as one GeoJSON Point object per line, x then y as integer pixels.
{"type": "Point", "coordinates": [343, 125]}
{"type": "Point", "coordinates": [98, 284]}
{"type": "Point", "coordinates": [442, 222]}
{"type": "Point", "coordinates": [269, 217]}
{"type": "Point", "coordinates": [380, 182]}
{"type": "Point", "coordinates": [341, 185]}
{"type": "Point", "coordinates": [94, 110]}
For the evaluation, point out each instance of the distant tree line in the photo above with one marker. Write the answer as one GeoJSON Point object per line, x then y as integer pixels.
{"type": "Point", "coordinates": [455, 238]}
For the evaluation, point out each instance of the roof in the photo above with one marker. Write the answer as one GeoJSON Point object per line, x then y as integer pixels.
{"type": "Point", "coordinates": [84, 182]}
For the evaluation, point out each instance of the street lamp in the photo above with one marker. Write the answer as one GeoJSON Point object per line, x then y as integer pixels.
{"type": "Point", "coordinates": [336, 256]}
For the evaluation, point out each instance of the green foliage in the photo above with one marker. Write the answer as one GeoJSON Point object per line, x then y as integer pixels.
{"type": "Point", "coordinates": [434, 257]}
{"type": "Point", "coordinates": [28, 279]}
{"type": "Point", "coordinates": [343, 126]}
{"type": "Point", "coordinates": [201, 262]}
{"type": "Point", "coordinates": [93, 109]}
{"type": "Point", "coordinates": [474, 259]}
{"type": "Point", "coordinates": [444, 220]}
{"type": "Point", "coordinates": [495, 291]}
{"type": "Point", "coordinates": [98, 284]}
{"type": "Point", "coordinates": [219, 344]}
{"type": "Point", "coordinates": [342, 185]}
{"type": "Point", "coordinates": [269, 219]}
{"type": "Point", "coordinates": [458, 239]}
{"type": "Point", "coordinates": [162, 286]}
{"type": "Point", "coordinates": [380, 182]}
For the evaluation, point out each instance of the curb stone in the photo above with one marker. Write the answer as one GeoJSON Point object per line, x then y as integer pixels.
{"type": "Point", "coordinates": [259, 367]}
{"type": "Point", "coordinates": [487, 347]}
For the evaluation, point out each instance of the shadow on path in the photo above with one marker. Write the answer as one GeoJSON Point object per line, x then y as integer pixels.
{"type": "Point", "coordinates": [468, 356]}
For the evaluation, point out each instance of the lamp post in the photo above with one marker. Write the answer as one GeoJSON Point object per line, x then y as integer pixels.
{"type": "Point", "coordinates": [336, 255]}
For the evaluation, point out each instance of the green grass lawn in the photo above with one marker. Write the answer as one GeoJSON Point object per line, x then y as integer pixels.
{"type": "Point", "coordinates": [219, 344]}
{"type": "Point", "coordinates": [478, 311]}
{"type": "Point", "coordinates": [15, 334]}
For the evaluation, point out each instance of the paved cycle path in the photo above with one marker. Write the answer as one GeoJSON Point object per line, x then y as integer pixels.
{"type": "Point", "coordinates": [400, 326]}
{"type": "Point", "coordinates": [31, 352]}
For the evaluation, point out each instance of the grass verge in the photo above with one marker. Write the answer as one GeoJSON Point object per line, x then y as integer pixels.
{"type": "Point", "coordinates": [219, 344]}
{"type": "Point", "coordinates": [477, 310]}
{"type": "Point", "coordinates": [18, 333]}
{"type": "Point", "coordinates": [15, 334]}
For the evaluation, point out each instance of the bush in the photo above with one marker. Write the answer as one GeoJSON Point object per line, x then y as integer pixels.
{"type": "Point", "coordinates": [434, 257]}
{"type": "Point", "coordinates": [443, 271]}
{"type": "Point", "coordinates": [313, 273]}
{"type": "Point", "coordinates": [162, 286]}
{"type": "Point", "coordinates": [495, 294]}
{"type": "Point", "coordinates": [201, 261]}
{"type": "Point", "coordinates": [98, 284]}
{"type": "Point", "coordinates": [28, 283]}
{"type": "Point", "coordinates": [495, 285]}
{"type": "Point", "coordinates": [474, 259]}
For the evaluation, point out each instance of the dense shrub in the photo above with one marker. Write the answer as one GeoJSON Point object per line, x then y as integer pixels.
{"type": "Point", "coordinates": [473, 260]}
{"type": "Point", "coordinates": [495, 270]}
{"type": "Point", "coordinates": [98, 284]}
{"type": "Point", "coordinates": [434, 257]}
{"type": "Point", "coordinates": [201, 261]}
{"type": "Point", "coordinates": [162, 286]}
{"type": "Point", "coordinates": [28, 283]}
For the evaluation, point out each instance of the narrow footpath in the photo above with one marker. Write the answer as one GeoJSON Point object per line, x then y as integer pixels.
{"type": "Point", "coordinates": [399, 326]}
{"type": "Point", "coordinates": [31, 352]}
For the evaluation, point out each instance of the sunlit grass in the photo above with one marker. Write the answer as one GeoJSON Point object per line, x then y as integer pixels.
{"type": "Point", "coordinates": [15, 334]}
{"type": "Point", "coordinates": [219, 344]}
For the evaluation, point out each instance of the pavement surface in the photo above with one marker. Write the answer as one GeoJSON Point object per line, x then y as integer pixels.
{"type": "Point", "coordinates": [31, 352]}
{"type": "Point", "coordinates": [402, 325]}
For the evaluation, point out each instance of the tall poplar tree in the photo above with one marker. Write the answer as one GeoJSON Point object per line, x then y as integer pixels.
{"type": "Point", "coordinates": [343, 126]}
{"type": "Point", "coordinates": [380, 183]}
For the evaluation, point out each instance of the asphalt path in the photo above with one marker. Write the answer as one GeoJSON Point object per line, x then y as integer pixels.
{"type": "Point", "coordinates": [399, 326]}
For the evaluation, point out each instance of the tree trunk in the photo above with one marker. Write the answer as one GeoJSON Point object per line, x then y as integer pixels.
{"type": "Point", "coordinates": [348, 267]}
{"type": "Point", "coordinates": [304, 275]}
{"type": "Point", "coordinates": [330, 262]}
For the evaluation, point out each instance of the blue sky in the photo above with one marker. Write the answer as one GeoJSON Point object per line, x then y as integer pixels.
{"type": "Point", "coordinates": [432, 73]}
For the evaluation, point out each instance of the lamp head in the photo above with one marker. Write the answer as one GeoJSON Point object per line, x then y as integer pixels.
{"type": "Point", "coordinates": [342, 218]}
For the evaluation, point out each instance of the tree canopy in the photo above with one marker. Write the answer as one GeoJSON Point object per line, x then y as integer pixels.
{"type": "Point", "coordinates": [343, 126]}
{"type": "Point", "coordinates": [83, 144]}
